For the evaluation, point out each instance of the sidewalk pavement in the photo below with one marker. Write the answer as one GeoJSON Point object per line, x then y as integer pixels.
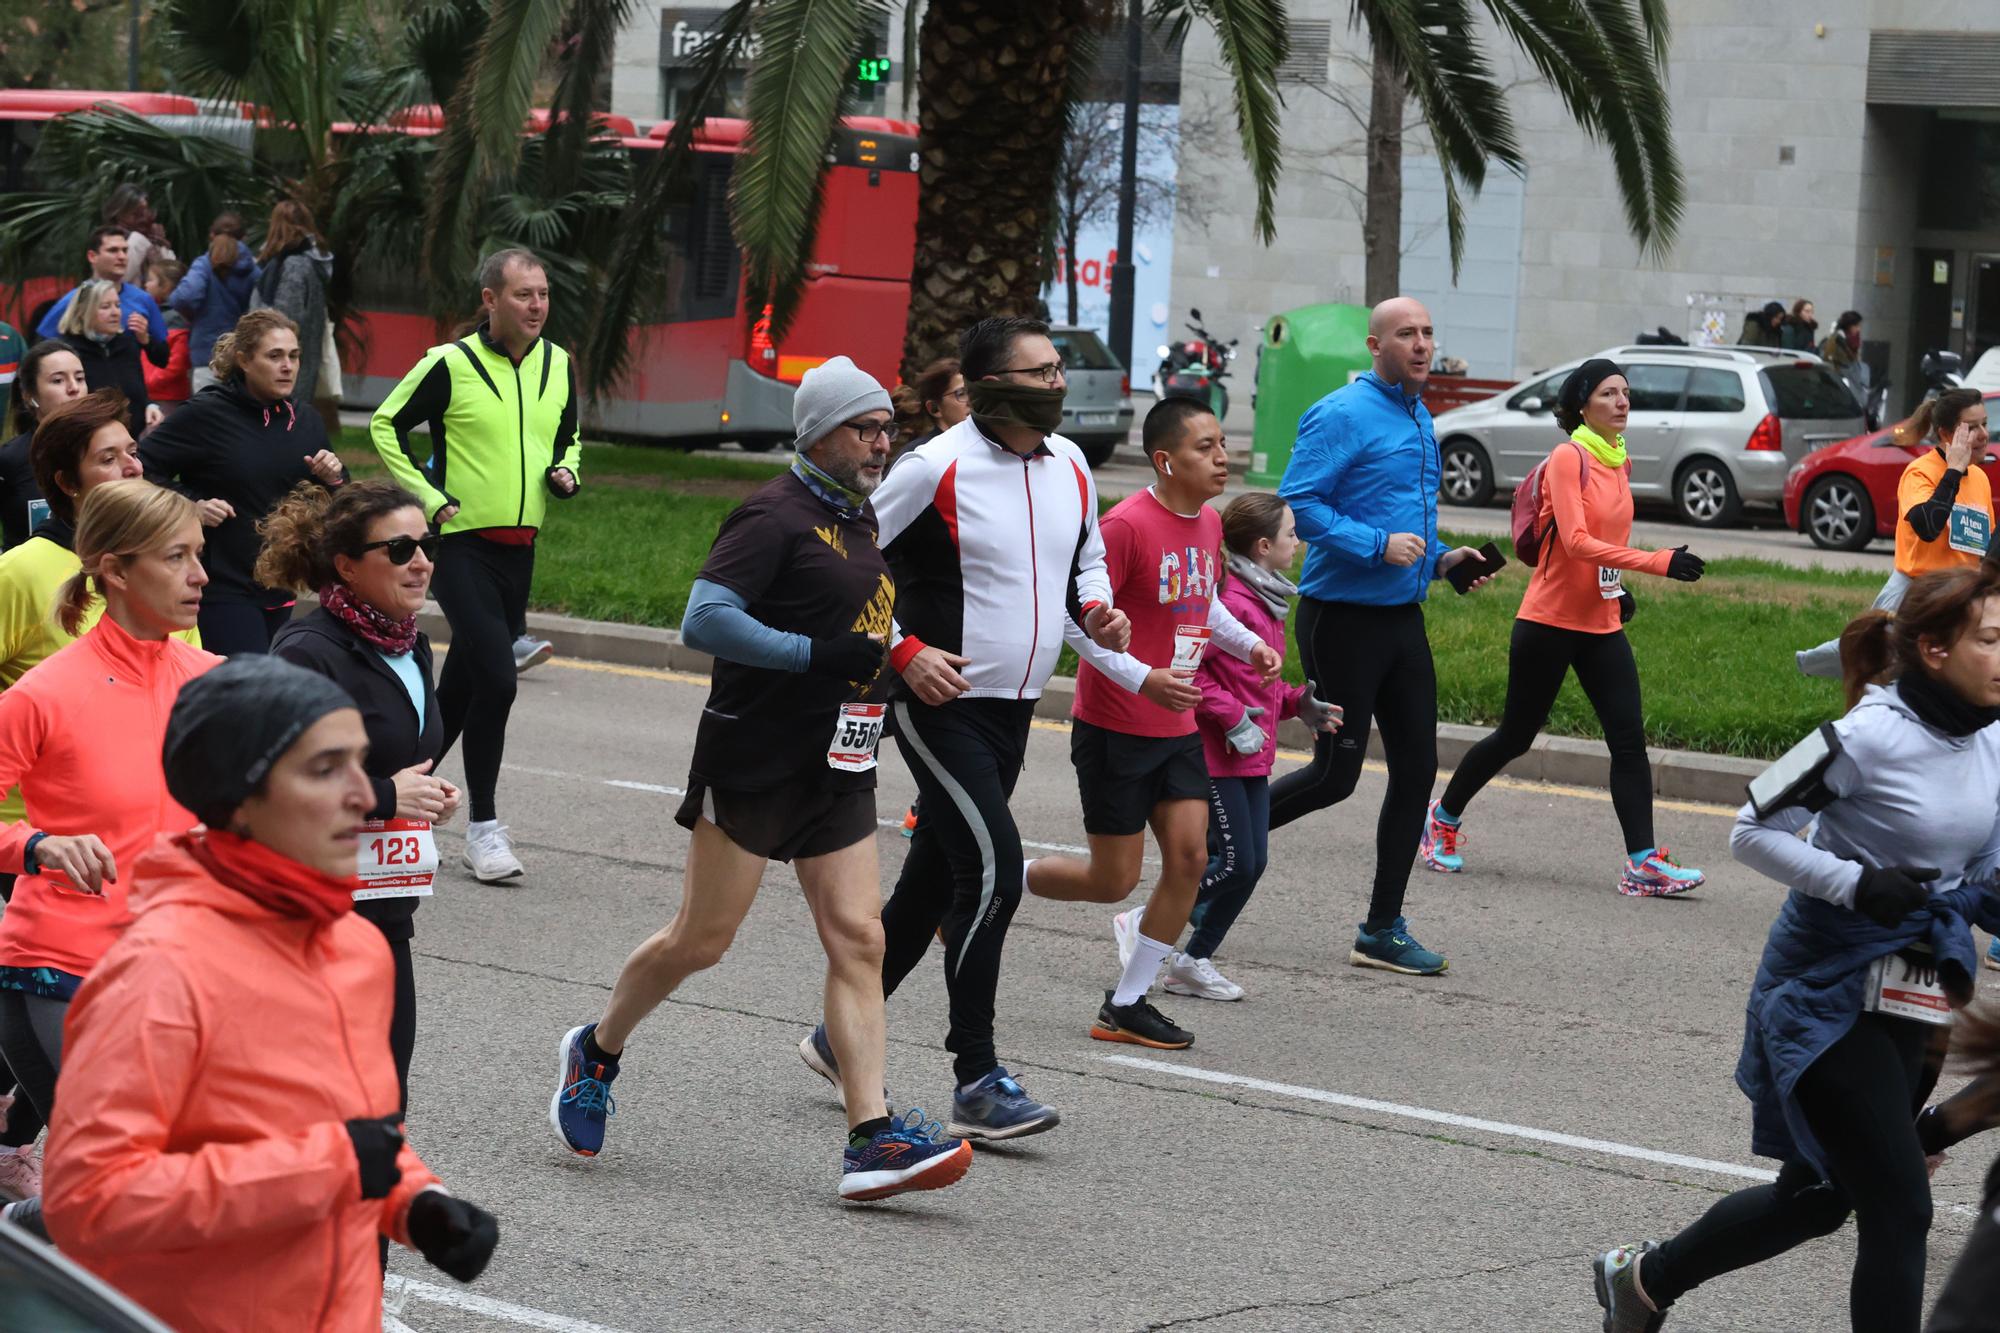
{"type": "Point", "coordinates": [1677, 774]}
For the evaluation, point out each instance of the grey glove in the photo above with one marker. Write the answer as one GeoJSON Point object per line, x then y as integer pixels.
{"type": "Point", "coordinates": [1246, 737]}
{"type": "Point", "coordinates": [1318, 713]}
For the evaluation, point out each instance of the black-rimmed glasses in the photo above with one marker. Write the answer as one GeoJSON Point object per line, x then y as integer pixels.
{"type": "Point", "coordinates": [871, 431]}
{"type": "Point", "coordinates": [400, 549]}
{"type": "Point", "coordinates": [1048, 373]}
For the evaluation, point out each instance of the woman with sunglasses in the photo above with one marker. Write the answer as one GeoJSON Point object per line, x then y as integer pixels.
{"type": "Point", "coordinates": [237, 449]}
{"type": "Point", "coordinates": [367, 551]}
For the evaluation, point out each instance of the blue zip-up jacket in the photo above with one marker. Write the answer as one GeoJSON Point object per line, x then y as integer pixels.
{"type": "Point", "coordinates": [1365, 466]}
{"type": "Point", "coordinates": [213, 302]}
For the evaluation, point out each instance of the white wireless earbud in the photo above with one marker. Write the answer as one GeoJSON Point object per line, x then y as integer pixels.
{"type": "Point", "coordinates": [1168, 463]}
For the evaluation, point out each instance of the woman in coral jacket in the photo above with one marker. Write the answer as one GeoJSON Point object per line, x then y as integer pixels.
{"type": "Point", "coordinates": [81, 735]}
{"type": "Point", "coordinates": [227, 1148]}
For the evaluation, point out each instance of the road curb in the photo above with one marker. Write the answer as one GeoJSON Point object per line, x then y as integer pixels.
{"type": "Point", "coordinates": [1681, 775]}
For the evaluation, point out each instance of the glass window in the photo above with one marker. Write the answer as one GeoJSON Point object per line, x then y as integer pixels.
{"type": "Point", "coordinates": [1714, 391]}
{"type": "Point", "coordinates": [1809, 392]}
{"type": "Point", "coordinates": [1081, 349]}
{"type": "Point", "coordinates": [1544, 389]}
{"type": "Point", "coordinates": [1656, 388]}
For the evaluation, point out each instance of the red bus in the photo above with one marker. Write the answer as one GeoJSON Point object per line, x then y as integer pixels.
{"type": "Point", "coordinates": [702, 373]}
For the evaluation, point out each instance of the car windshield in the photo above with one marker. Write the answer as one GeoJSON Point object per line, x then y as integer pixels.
{"type": "Point", "coordinates": [1809, 391]}
{"type": "Point", "coordinates": [1081, 349]}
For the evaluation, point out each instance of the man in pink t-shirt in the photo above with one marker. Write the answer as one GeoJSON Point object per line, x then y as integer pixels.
{"type": "Point", "coordinates": [1138, 757]}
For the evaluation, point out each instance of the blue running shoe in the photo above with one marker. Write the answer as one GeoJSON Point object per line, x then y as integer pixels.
{"type": "Point", "coordinates": [818, 1054]}
{"type": "Point", "coordinates": [996, 1107]}
{"type": "Point", "coordinates": [1394, 949]}
{"type": "Point", "coordinates": [1993, 954]}
{"type": "Point", "coordinates": [582, 1104]}
{"type": "Point", "coordinates": [911, 1154]}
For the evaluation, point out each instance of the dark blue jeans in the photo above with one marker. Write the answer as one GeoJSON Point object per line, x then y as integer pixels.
{"type": "Point", "coordinates": [1239, 832]}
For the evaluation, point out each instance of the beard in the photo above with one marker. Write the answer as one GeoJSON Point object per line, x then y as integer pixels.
{"type": "Point", "coordinates": [848, 473]}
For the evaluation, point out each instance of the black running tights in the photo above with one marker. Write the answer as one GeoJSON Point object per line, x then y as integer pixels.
{"type": "Point", "coordinates": [482, 587]}
{"type": "Point", "coordinates": [1541, 655]}
{"type": "Point", "coordinates": [1860, 1098]}
{"type": "Point", "coordinates": [964, 868]}
{"type": "Point", "coordinates": [1375, 662]}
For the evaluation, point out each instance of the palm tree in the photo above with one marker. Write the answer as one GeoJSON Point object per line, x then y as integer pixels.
{"type": "Point", "coordinates": [994, 96]}
{"type": "Point", "coordinates": [1606, 59]}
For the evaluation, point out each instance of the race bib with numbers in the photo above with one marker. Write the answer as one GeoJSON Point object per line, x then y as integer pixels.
{"type": "Point", "coordinates": [855, 736]}
{"type": "Point", "coordinates": [399, 859]}
{"type": "Point", "coordinates": [1905, 985]}
{"type": "Point", "coordinates": [1190, 641]}
{"type": "Point", "coordinates": [1610, 583]}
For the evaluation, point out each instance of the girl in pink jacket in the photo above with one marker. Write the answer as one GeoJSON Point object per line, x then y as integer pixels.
{"type": "Point", "coordinates": [1238, 719]}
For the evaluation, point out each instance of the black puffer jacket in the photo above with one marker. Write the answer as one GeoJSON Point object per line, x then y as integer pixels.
{"type": "Point", "coordinates": [118, 363]}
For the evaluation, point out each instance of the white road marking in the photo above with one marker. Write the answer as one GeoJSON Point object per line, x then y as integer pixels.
{"type": "Point", "coordinates": [454, 1299]}
{"type": "Point", "coordinates": [1068, 849]}
{"type": "Point", "coordinates": [1450, 1118]}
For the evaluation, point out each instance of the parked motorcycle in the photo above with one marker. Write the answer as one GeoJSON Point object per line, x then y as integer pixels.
{"type": "Point", "coordinates": [1941, 370]}
{"type": "Point", "coordinates": [1196, 368]}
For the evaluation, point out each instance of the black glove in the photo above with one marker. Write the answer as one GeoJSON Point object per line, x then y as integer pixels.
{"type": "Point", "coordinates": [1887, 896]}
{"type": "Point", "coordinates": [454, 1235]}
{"type": "Point", "coordinates": [1686, 566]}
{"type": "Point", "coordinates": [1627, 608]}
{"type": "Point", "coordinates": [846, 657]}
{"type": "Point", "coordinates": [376, 1143]}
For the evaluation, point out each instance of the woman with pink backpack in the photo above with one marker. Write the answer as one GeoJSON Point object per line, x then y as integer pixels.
{"type": "Point", "coordinates": [1573, 617]}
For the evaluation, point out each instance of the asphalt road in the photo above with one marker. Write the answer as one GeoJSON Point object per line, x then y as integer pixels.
{"type": "Point", "coordinates": [1342, 1150]}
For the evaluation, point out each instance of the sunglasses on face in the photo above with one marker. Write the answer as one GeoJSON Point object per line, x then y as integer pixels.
{"type": "Point", "coordinates": [400, 549]}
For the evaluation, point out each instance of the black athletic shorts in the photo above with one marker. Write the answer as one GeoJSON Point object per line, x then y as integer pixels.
{"type": "Point", "coordinates": [783, 823]}
{"type": "Point", "coordinates": [1121, 778]}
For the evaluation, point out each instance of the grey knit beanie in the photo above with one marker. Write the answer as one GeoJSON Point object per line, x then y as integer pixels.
{"type": "Point", "coordinates": [831, 393]}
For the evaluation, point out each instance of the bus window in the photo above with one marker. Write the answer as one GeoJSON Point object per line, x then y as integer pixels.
{"type": "Point", "coordinates": [703, 269]}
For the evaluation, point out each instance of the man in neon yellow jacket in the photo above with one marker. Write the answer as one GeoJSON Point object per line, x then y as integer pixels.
{"type": "Point", "coordinates": [500, 406]}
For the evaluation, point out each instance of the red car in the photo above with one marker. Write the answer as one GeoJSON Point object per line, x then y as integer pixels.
{"type": "Point", "coordinates": [1844, 496]}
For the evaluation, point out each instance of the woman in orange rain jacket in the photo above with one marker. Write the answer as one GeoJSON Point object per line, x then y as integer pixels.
{"type": "Point", "coordinates": [227, 1149]}
{"type": "Point", "coordinates": [81, 735]}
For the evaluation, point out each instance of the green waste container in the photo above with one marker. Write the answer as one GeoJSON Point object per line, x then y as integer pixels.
{"type": "Point", "coordinates": [1305, 355]}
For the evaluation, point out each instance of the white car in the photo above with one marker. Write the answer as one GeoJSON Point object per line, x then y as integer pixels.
{"type": "Point", "coordinates": [1712, 428]}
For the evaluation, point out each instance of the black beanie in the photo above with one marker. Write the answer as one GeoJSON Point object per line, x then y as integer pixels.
{"type": "Point", "coordinates": [230, 725]}
{"type": "Point", "coordinates": [1576, 390]}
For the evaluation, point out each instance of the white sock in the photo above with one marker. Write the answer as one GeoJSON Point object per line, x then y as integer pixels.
{"type": "Point", "coordinates": [1024, 875]}
{"type": "Point", "coordinates": [478, 826]}
{"type": "Point", "coordinates": [1140, 972]}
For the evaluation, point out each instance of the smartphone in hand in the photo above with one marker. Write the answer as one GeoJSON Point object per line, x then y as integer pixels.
{"type": "Point", "coordinates": [1462, 575]}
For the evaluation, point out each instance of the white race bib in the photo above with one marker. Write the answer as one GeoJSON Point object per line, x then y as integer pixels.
{"type": "Point", "coordinates": [855, 736]}
{"type": "Point", "coordinates": [1190, 641]}
{"type": "Point", "coordinates": [1905, 985]}
{"type": "Point", "coordinates": [1610, 583]}
{"type": "Point", "coordinates": [399, 859]}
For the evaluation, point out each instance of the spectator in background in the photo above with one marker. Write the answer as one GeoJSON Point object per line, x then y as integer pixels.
{"type": "Point", "coordinates": [128, 207]}
{"type": "Point", "coordinates": [110, 355]}
{"type": "Point", "coordinates": [1800, 331]}
{"type": "Point", "coordinates": [931, 406]}
{"type": "Point", "coordinates": [12, 348]}
{"type": "Point", "coordinates": [51, 375]}
{"type": "Point", "coordinates": [169, 385]}
{"type": "Point", "coordinates": [296, 269]}
{"type": "Point", "coordinates": [1842, 350]}
{"type": "Point", "coordinates": [106, 253]}
{"type": "Point", "coordinates": [216, 292]}
{"type": "Point", "coordinates": [1761, 328]}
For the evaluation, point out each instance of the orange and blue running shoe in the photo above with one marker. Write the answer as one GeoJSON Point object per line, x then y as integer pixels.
{"type": "Point", "coordinates": [582, 1104]}
{"type": "Point", "coordinates": [912, 1153]}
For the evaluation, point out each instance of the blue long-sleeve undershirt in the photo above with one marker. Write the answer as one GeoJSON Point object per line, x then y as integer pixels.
{"type": "Point", "coordinates": [718, 622]}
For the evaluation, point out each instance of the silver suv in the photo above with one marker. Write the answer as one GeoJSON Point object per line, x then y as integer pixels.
{"type": "Point", "coordinates": [1712, 428]}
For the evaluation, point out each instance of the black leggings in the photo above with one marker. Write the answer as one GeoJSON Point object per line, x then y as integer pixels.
{"type": "Point", "coordinates": [1541, 655]}
{"type": "Point", "coordinates": [1860, 1098]}
{"type": "Point", "coordinates": [31, 1040]}
{"type": "Point", "coordinates": [964, 866]}
{"type": "Point", "coordinates": [232, 628]}
{"type": "Point", "coordinates": [482, 588]}
{"type": "Point", "coordinates": [1375, 662]}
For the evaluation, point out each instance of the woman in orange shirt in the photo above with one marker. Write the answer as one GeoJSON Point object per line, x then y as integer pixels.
{"type": "Point", "coordinates": [1573, 617]}
{"type": "Point", "coordinates": [81, 734]}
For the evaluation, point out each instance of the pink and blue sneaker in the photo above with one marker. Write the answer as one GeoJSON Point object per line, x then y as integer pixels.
{"type": "Point", "coordinates": [1441, 841]}
{"type": "Point", "coordinates": [1654, 873]}
{"type": "Point", "coordinates": [909, 1153]}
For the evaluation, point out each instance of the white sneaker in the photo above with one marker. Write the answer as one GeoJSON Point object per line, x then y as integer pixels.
{"type": "Point", "coordinates": [1198, 977]}
{"type": "Point", "coordinates": [530, 652]}
{"type": "Point", "coordinates": [490, 852]}
{"type": "Point", "coordinates": [1125, 929]}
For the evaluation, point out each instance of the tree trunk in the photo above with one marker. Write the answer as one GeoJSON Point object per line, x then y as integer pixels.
{"type": "Point", "coordinates": [1382, 228]}
{"type": "Point", "coordinates": [1069, 266]}
{"type": "Point", "coordinates": [991, 80]}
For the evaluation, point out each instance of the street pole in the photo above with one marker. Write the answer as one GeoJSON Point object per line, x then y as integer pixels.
{"type": "Point", "coordinates": [1128, 188]}
{"type": "Point", "coordinates": [132, 51]}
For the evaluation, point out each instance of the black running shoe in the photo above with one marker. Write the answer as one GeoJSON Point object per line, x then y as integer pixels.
{"type": "Point", "coordinates": [1140, 1024]}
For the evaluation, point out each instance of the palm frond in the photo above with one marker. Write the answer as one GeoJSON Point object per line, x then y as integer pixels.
{"type": "Point", "coordinates": [1254, 44]}
{"type": "Point", "coordinates": [637, 255]}
{"type": "Point", "coordinates": [451, 200]}
{"type": "Point", "coordinates": [586, 54]}
{"type": "Point", "coordinates": [214, 45]}
{"type": "Point", "coordinates": [797, 90]}
{"type": "Point", "coordinates": [502, 78]}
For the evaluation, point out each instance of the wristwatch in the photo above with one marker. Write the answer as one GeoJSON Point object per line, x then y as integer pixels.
{"type": "Point", "coordinates": [29, 864]}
